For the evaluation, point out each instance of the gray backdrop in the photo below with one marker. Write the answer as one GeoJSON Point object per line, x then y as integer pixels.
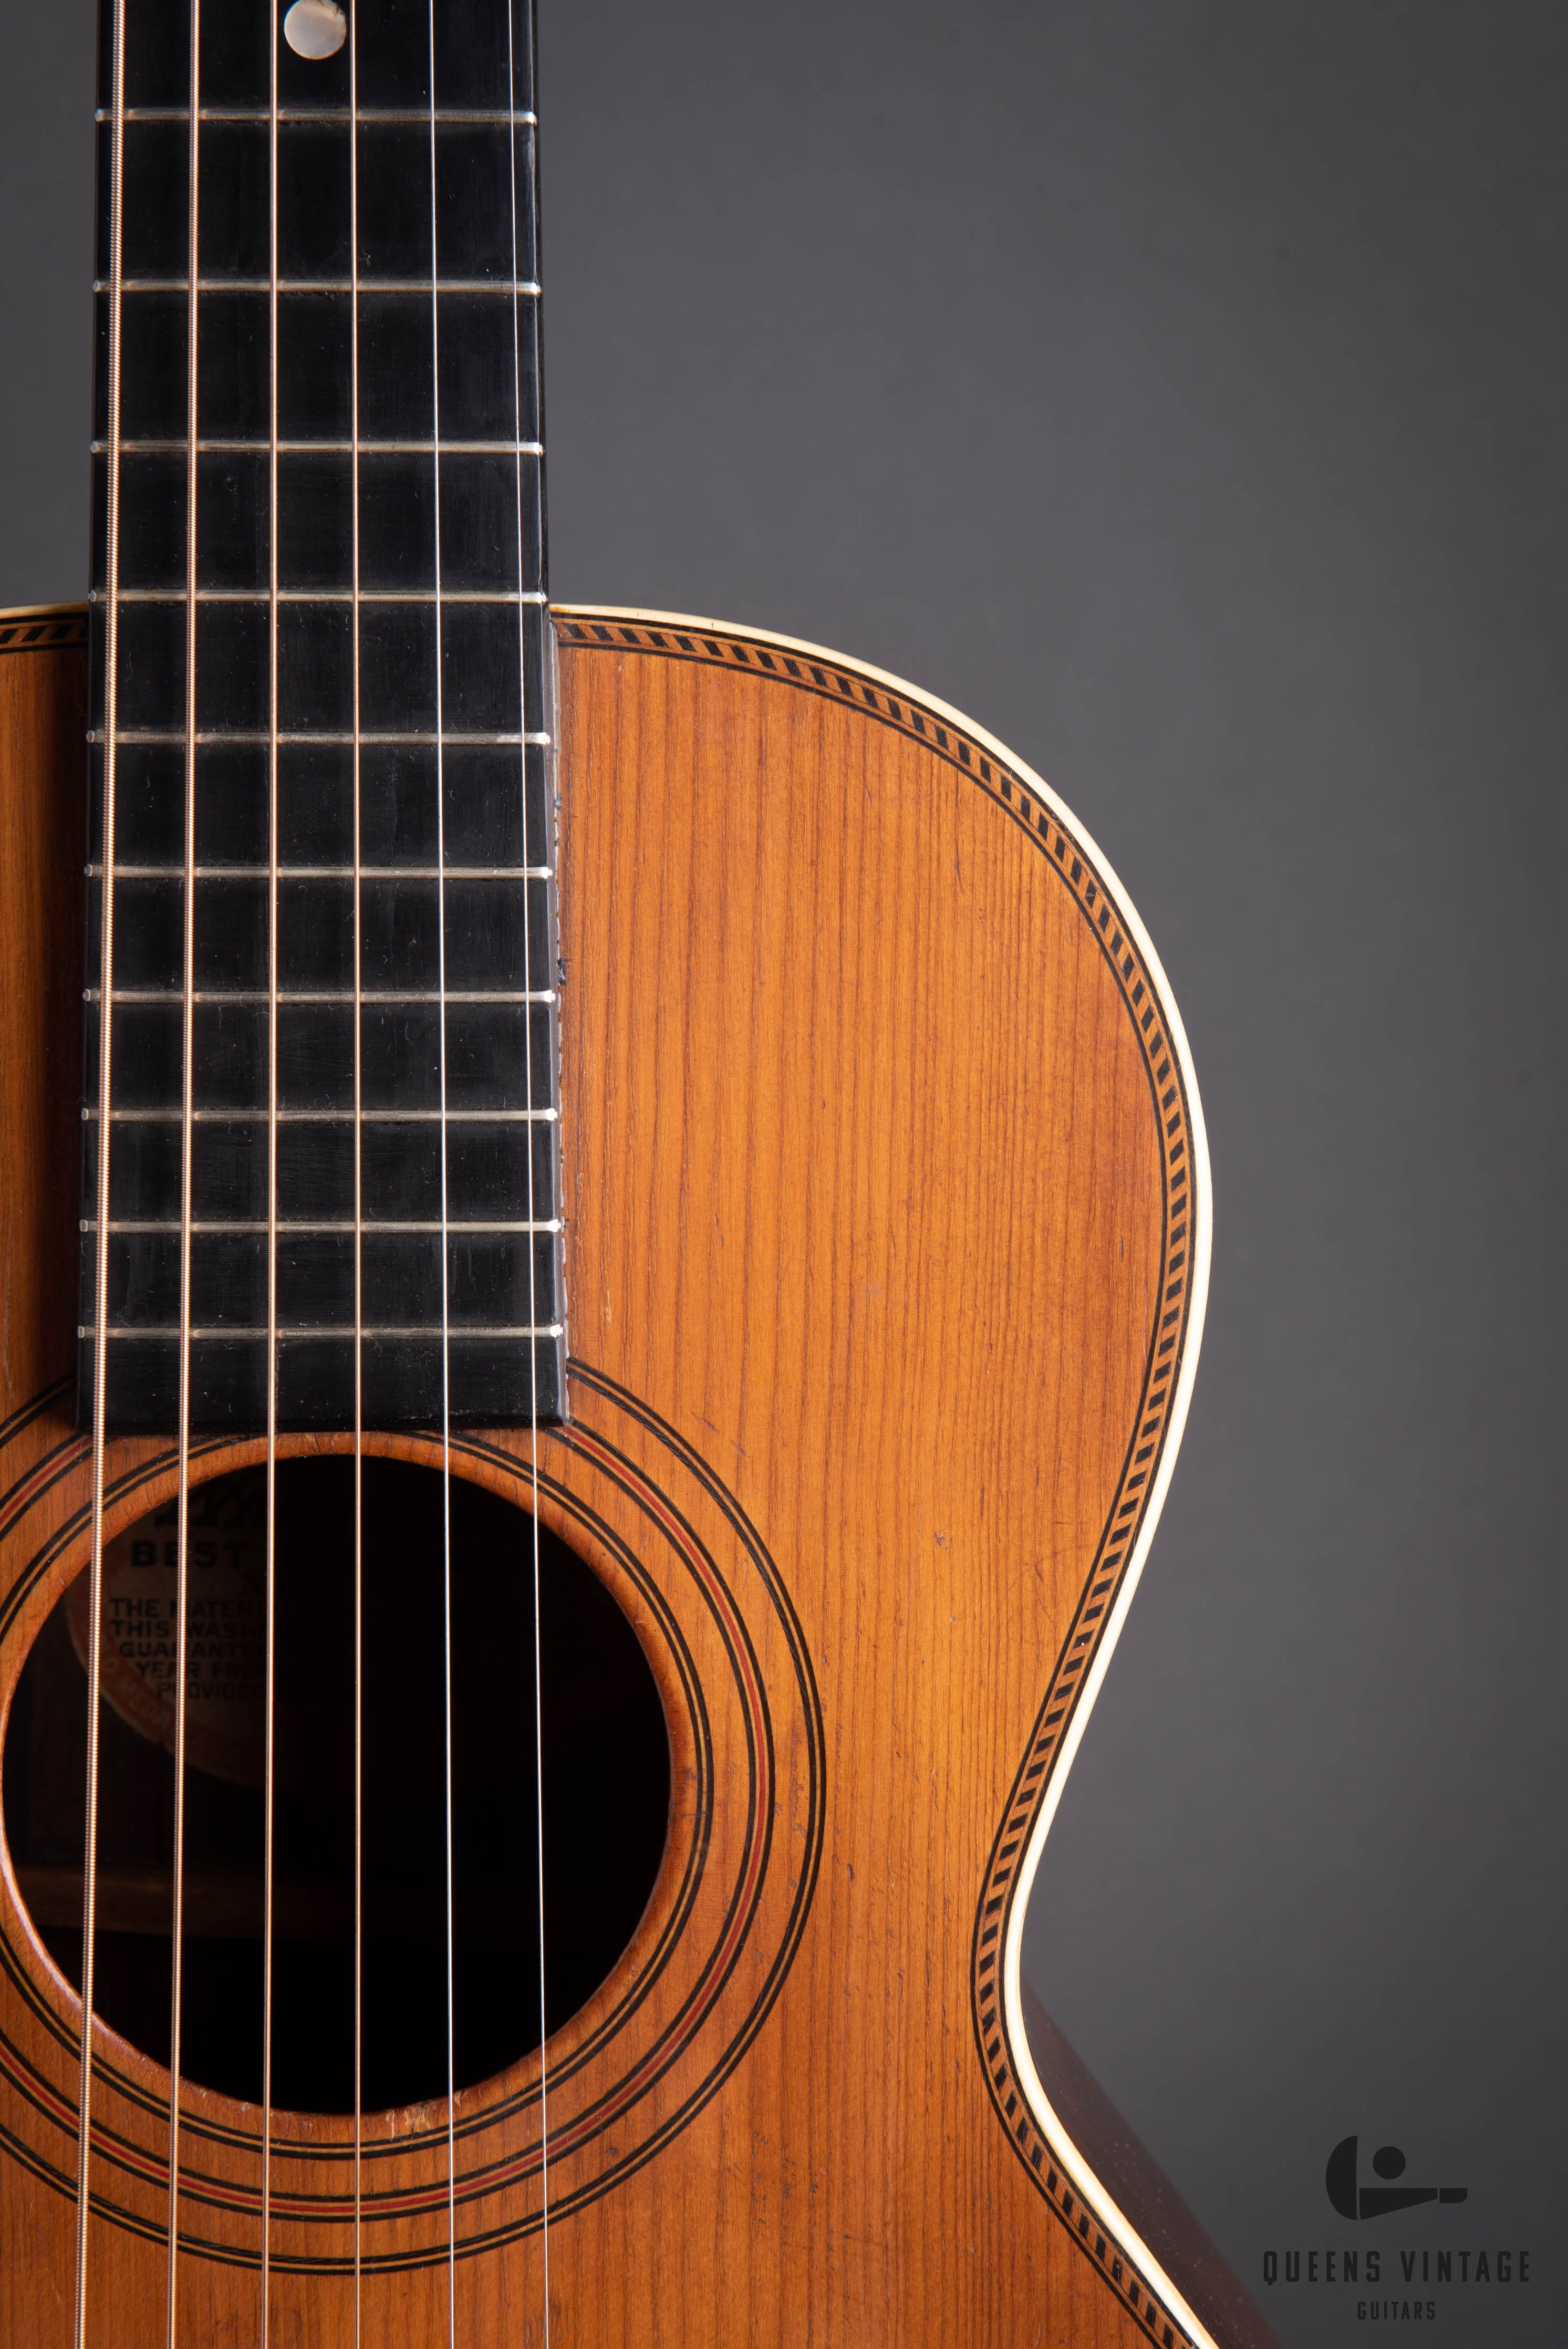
{"type": "Point", "coordinates": [1179, 390]}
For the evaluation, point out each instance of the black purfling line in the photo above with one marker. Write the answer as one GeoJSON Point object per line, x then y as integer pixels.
{"type": "Point", "coordinates": [27, 1413]}
{"type": "Point", "coordinates": [702, 1733]}
{"type": "Point", "coordinates": [750, 1540]}
{"type": "Point", "coordinates": [392, 2262]}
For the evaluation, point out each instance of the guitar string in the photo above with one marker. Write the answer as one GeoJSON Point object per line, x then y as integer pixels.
{"type": "Point", "coordinates": [187, 1103]}
{"type": "Point", "coordinates": [528, 1053]}
{"type": "Point", "coordinates": [185, 1326]}
{"type": "Point", "coordinates": [359, 1194]}
{"type": "Point", "coordinates": [445, 1248]}
{"type": "Point", "coordinates": [270, 1560]}
{"type": "Point", "coordinates": [182, 1551]}
{"type": "Point", "coordinates": [101, 1170]}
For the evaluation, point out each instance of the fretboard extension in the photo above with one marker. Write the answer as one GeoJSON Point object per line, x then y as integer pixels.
{"type": "Point", "coordinates": [319, 564]}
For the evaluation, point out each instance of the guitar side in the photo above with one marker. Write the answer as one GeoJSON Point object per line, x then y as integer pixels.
{"type": "Point", "coordinates": [884, 1297]}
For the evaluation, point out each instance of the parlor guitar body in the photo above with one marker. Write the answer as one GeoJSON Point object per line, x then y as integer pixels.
{"type": "Point", "coordinates": [860, 1180]}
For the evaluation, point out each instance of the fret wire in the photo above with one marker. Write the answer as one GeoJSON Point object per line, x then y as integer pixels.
{"type": "Point", "coordinates": [322, 449]}
{"type": "Point", "coordinates": [291, 1227]}
{"type": "Point", "coordinates": [112, 738]}
{"type": "Point", "coordinates": [372, 115]}
{"type": "Point", "coordinates": [324, 285]}
{"type": "Point", "coordinates": [242, 739]}
{"type": "Point", "coordinates": [506, 595]}
{"type": "Point", "coordinates": [253, 1332]}
{"type": "Point", "coordinates": [319, 872]}
{"type": "Point", "coordinates": [161, 1116]}
{"type": "Point", "coordinates": [289, 995]}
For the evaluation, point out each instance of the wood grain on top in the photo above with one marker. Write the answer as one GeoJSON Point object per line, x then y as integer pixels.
{"type": "Point", "coordinates": [872, 1194]}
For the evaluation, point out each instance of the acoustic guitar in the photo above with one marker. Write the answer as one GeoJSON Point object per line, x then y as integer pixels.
{"type": "Point", "coordinates": [602, 1241]}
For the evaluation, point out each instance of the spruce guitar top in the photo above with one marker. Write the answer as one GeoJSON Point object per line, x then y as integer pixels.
{"type": "Point", "coordinates": [602, 1241]}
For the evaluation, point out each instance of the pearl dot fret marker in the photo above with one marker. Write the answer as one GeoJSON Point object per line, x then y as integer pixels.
{"type": "Point", "coordinates": [314, 28]}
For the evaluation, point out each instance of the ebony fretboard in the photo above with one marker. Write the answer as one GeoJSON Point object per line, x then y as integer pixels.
{"type": "Point", "coordinates": [393, 648]}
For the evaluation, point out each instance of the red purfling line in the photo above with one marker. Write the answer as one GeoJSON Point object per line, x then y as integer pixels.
{"type": "Point", "coordinates": [654, 1500]}
{"type": "Point", "coordinates": [17, 1500]}
{"type": "Point", "coordinates": [246, 2201]}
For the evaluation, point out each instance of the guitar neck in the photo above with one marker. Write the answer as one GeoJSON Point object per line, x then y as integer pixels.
{"type": "Point", "coordinates": [321, 811]}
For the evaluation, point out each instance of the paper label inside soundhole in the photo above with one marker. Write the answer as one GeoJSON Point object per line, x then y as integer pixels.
{"type": "Point", "coordinates": [225, 1637]}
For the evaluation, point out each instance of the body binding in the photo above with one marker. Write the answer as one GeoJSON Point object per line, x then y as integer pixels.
{"type": "Point", "coordinates": [886, 1243]}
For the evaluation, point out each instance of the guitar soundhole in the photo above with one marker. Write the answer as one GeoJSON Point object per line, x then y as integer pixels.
{"type": "Point", "coordinates": [606, 1786]}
